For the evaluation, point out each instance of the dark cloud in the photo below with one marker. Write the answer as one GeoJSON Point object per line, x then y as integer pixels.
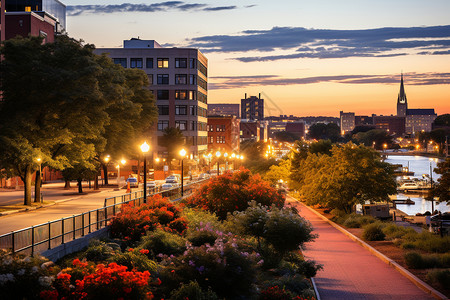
{"type": "Point", "coordinates": [328, 43]}
{"type": "Point", "coordinates": [230, 82]}
{"type": "Point", "coordinates": [220, 8]}
{"type": "Point", "coordinates": [76, 10]}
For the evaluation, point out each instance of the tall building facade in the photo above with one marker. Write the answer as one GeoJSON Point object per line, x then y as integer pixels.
{"type": "Point", "coordinates": [416, 120]}
{"type": "Point", "coordinates": [224, 133]}
{"type": "Point", "coordinates": [178, 79]}
{"type": "Point", "coordinates": [252, 108]}
{"type": "Point", "coordinates": [347, 121]}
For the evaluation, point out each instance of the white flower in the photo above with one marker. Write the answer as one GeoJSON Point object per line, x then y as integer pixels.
{"type": "Point", "coordinates": [34, 269]}
{"type": "Point", "coordinates": [21, 272]}
{"type": "Point", "coordinates": [46, 281]}
{"type": "Point", "coordinates": [4, 278]}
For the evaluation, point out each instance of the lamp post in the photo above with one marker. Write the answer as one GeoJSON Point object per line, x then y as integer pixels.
{"type": "Point", "coordinates": [182, 154]}
{"type": "Point", "coordinates": [105, 169]}
{"type": "Point", "coordinates": [39, 160]}
{"type": "Point", "coordinates": [145, 148]}
{"type": "Point", "coordinates": [122, 161]}
{"type": "Point", "coordinates": [226, 161]}
{"type": "Point", "coordinates": [218, 154]}
{"type": "Point", "coordinates": [209, 158]}
{"type": "Point", "coordinates": [384, 147]}
{"type": "Point", "coordinates": [233, 156]}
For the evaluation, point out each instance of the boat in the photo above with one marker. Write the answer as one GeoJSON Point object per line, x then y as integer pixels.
{"type": "Point", "coordinates": [408, 186]}
{"type": "Point", "coordinates": [404, 201]}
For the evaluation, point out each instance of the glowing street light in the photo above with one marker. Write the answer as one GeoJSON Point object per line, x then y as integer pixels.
{"type": "Point", "coordinates": [218, 154]}
{"type": "Point", "coordinates": [182, 154]}
{"type": "Point", "coordinates": [145, 148]}
{"type": "Point", "coordinates": [123, 162]}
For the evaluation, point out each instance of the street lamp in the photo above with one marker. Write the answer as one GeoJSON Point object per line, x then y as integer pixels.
{"type": "Point", "coordinates": [39, 160]}
{"type": "Point", "coordinates": [218, 154]}
{"type": "Point", "coordinates": [122, 161]}
{"type": "Point", "coordinates": [226, 161]}
{"type": "Point", "coordinates": [182, 154]}
{"type": "Point", "coordinates": [384, 147]}
{"type": "Point", "coordinates": [145, 148]}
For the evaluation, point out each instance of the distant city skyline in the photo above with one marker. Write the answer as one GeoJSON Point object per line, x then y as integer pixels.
{"type": "Point", "coordinates": [312, 58]}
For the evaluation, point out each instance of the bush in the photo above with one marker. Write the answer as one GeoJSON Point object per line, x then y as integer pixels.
{"type": "Point", "coordinates": [98, 251]}
{"type": "Point", "coordinates": [373, 232]}
{"type": "Point", "coordinates": [414, 260]}
{"type": "Point", "coordinates": [24, 277]}
{"type": "Point", "coordinates": [90, 281]}
{"type": "Point", "coordinates": [296, 264]}
{"type": "Point", "coordinates": [192, 290]}
{"type": "Point", "coordinates": [162, 242]}
{"type": "Point", "coordinates": [204, 234]}
{"type": "Point", "coordinates": [441, 277]}
{"type": "Point", "coordinates": [232, 191]}
{"type": "Point", "coordinates": [135, 260]}
{"type": "Point", "coordinates": [393, 231]}
{"type": "Point", "coordinates": [197, 218]}
{"type": "Point", "coordinates": [133, 222]}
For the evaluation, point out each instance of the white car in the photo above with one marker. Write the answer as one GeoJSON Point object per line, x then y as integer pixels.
{"type": "Point", "coordinates": [172, 179]}
{"type": "Point", "coordinates": [151, 184]}
{"type": "Point", "coordinates": [204, 176]}
{"type": "Point", "coordinates": [168, 186]}
{"type": "Point", "coordinates": [132, 181]}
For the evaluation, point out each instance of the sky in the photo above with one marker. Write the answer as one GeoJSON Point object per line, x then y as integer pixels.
{"type": "Point", "coordinates": [306, 58]}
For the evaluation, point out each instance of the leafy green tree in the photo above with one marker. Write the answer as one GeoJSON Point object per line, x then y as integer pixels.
{"type": "Point", "coordinates": [442, 188]}
{"type": "Point", "coordinates": [322, 131]}
{"type": "Point", "coordinates": [374, 138]}
{"type": "Point", "coordinates": [351, 175]}
{"type": "Point", "coordinates": [280, 171]}
{"type": "Point", "coordinates": [255, 160]}
{"type": "Point", "coordinates": [322, 147]}
{"type": "Point", "coordinates": [172, 139]}
{"type": "Point", "coordinates": [284, 136]}
{"type": "Point", "coordinates": [442, 120]}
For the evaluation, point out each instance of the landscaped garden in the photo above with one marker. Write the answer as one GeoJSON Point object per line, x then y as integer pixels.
{"type": "Point", "coordinates": [232, 239]}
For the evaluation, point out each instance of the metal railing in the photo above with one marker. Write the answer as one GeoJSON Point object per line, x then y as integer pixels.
{"type": "Point", "coordinates": [45, 236]}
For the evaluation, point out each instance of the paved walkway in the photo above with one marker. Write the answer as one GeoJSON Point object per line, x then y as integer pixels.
{"type": "Point", "coordinates": [349, 270]}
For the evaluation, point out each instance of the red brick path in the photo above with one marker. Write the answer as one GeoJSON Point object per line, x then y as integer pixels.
{"type": "Point", "coordinates": [349, 270]}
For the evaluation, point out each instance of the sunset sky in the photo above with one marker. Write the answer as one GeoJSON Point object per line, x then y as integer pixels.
{"type": "Point", "coordinates": [307, 58]}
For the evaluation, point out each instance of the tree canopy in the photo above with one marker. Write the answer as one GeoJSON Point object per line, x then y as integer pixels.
{"type": "Point", "coordinates": [172, 140]}
{"type": "Point", "coordinates": [322, 131]}
{"type": "Point", "coordinates": [350, 175]}
{"type": "Point", "coordinates": [442, 188]}
{"type": "Point", "coordinates": [65, 105]}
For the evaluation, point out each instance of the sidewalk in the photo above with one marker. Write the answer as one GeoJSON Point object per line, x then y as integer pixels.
{"type": "Point", "coordinates": [349, 270]}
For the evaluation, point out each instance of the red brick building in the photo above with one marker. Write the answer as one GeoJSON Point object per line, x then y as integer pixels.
{"type": "Point", "coordinates": [393, 124]}
{"type": "Point", "coordinates": [30, 23]}
{"type": "Point", "coordinates": [223, 133]}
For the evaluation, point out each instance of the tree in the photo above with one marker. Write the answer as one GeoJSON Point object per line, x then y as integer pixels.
{"type": "Point", "coordinates": [373, 138]}
{"type": "Point", "coordinates": [442, 188]}
{"type": "Point", "coordinates": [172, 140]}
{"type": "Point", "coordinates": [281, 171]}
{"type": "Point", "coordinates": [284, 136]}
{"type": "Point", "coordinates": [351, 175]}
{"type": "Point", "coordinates": [442, 120]}
{"type": "Point", "coordinates": [255, 160]}
{"type": "Point", "coordinates": [322, 131]}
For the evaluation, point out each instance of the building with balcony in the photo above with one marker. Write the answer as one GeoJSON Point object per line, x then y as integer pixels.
{"type": "Point", "coordinates": [178, 79]}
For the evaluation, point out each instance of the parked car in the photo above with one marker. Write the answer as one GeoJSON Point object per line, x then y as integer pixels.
{"type": "Point", "coordinates": [204, 176]}
{"type": "Point", "coordinates": [173, 179]}
{"type": "Point", "coordinates": [168, 186]}
{"type": "Point", "coordinates": [151, 184]}
{"type": "Point", "coordinates": [132, 181]}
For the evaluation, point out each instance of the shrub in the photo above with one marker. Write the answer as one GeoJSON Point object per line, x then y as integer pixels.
{"type": "Point", "coordinates": [24, 277]}
{"type": "Point", "coordinates": [228, 270]}
{"type": "Point", "coordinates": [275, 293]}
{"type": "Point", "coordinates": [296, 264]}
{"type": "Point", "coordinates": [232, 191]}
{"type": "Point", "coordinates": [98, 251]}
{"type": "Point", "coordinates": [441, 277]}
{"type": "Point", "coordinates": [134, 260]}
{"type": "Point", "coordinates": [373, 232]}
{"type": "Point", "coordinates": [197, 218]}
{"type": "Point", "coordinates": [204, 234]}
{"type": "Point", "coordinates": [192, 290]}
{"type": "Point", "coordinates": [393, 231]}
{"type": "Point", "coordinates": [133, 222]}
{"type": "Point", "coordinates": [162, 242]}
{"type": "Point", "coordinates": [90, 281]}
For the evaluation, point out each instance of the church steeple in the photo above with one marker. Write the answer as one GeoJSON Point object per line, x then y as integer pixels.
{"type": "Point", "coordinates": [402, 103]}
{"type": "Point", "coordinates": [402, 94]}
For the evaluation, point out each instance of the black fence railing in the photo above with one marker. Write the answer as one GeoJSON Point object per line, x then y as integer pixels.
{"type": "Point", "coordinates": [42, 237]}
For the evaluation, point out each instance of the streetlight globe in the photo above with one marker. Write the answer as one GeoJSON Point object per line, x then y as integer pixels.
{"type": "Point", "coordinates": [183, 152]}
{"type": "Point", "coordinates": [38, 159]}
{"type": "Point", "coordinates": [218, 154]}
{"type": "Point", "coordinates": [225, 155]}
{"type": "Point", "coordinates": [238, 156]}
{"type": "Point", "coordinates": [157, 159]}
{"type": "Point", "coordinates": [106, 159]}
{"type": "Point", "coordinates": [233, 155]}
{"type": "Point", "coordinates": [145, 147]}
{"type": "Point", "coordinates": [209, 155]}
{"type": "Point", "coordinates": [123, 161]}
{"type": "Point", "coordinates": [242, 157]}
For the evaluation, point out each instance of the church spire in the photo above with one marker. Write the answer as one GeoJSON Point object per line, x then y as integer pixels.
{"type": "Point", "coordinates": [402, 94]}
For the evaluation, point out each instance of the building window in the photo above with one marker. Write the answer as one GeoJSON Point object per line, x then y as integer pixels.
{"type": "Point", "coordinates": [220, 128]}
{"type": "Point", "coordinates": [136, 63]}
{"type": "Point", "coordinates": [210, 128]}
{"type": "Point", "coordinates": [193, 126]}
{"type": "Point", "coordinates": [192, 95]}
{"type": "Point", "coordinates": [149, 63]}
{"type": "Point", "coordinates": [181, 95]}
{"type": "Point", "coordinates": [211, 140]}
{"type": "Point", "coordinates": [150, 79]}
{"type": "Point", "coordinates": [220, 140]}
{"type": "Point", "coordinates": [163, 125]}
{"type": "Point", "coordinates": [163, 79]}
{"type": "Point", "coordinates": [182, 125]}
{"type": "Point", "coordinates": [193, 110]}
{"type": "Point", "coordinates": [181, 63]}
{"type": "Point", "coordinates": [163, 95]}
{"type": "Point", "coordinates": [163, 110]}
{"type": "Point", "coordinates": [163, 63]}
{"type": "Point", "coordinates": [192, 63]}
{"type": "Point", "coordinates": [202, 69]}
{"type": "Point", "coordinates": [180, 110]}
{"type": "Point", "coordinates": [202, 97]}
{"type": "Point", "coordinates": [180, 79]}
{"type": "Point", "coordinates": [120, 61]}
{"type": "Point", "coordinates": [202, 83]}
{"type": "Point", "coordinates": [192, 79]}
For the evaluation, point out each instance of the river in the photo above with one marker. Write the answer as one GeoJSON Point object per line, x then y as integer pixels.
{"type": "Point", "coordinates": [419, 165]}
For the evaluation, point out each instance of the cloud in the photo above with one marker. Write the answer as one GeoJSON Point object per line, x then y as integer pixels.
{"type": "Point", "coordinates": [230, 82]}
{"type": "Point", "coordinates": [76, 10]}
{"type": "Point", "coordinates": [329, 43]}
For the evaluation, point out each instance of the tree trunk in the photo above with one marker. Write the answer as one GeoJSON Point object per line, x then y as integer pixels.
{"type": "Point", "coordinates": [67, 185]}
{"type": "Point", "coordinates": [105, 173]}
{"type": "Point", "coordinates": [27, 185]}
{"type": "Point", "coordinates": [80, 185]}
{"type": "Point", "coordinates": [37, 187]}
{"type": "Point", "coordinates": [96, 182]}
